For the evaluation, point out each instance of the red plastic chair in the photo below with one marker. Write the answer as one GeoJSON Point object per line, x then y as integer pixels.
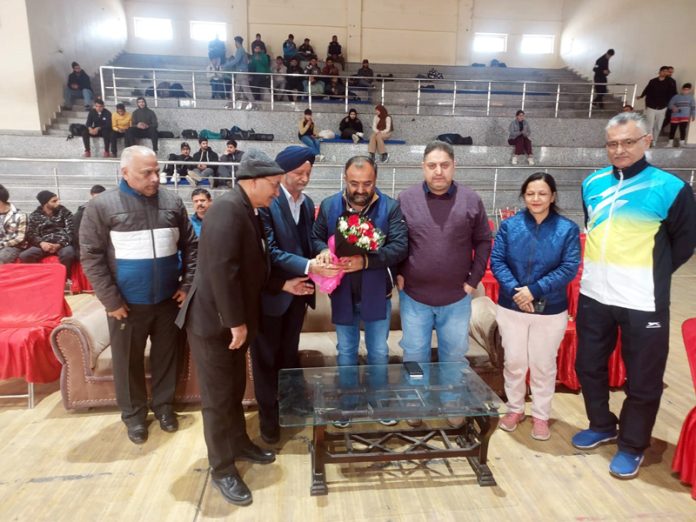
{"type": "Point", "coordinates": [684, 462]}
{"type": "Point", "coordinates": [33, 294]}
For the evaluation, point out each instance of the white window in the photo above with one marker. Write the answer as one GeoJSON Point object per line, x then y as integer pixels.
{"type": "Point", "coordinates": [206, 31]}
{"type": "Point", "coordinates": [490, 43]}
{"type": "Point", "coordinates": [153, 28]}
{"type": "Point", "coordinates": [537, 44]}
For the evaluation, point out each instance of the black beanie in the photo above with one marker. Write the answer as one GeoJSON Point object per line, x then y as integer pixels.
{"type": "Point", "coordinates": [45, 196]}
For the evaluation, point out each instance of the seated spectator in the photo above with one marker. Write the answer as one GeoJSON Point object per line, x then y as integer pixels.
{"type": "Point", "coordinates": [313, 70]}
{"type": "Point", "coordinates": [216, 77]}
{"type": "Point", "coordinates": [13, 229]}
{"type": "Point", "coordinates": [179, 171]}
{"type": "Point", "coordinates": [98, 124]}
{"type": "Point", "coordinates": [351, 128]}
{"type": "Point", "coordinates": [306, 51]}
{"type": "Point", "coordinates": [77, 218]}
{"type": "Point", "coordinates": [382, 129]}
{"type": "Point", "coordinates": [201, 200]}
{"type": "Point", "coordinates": [143, 125]}
{"type": "Point", "coordinates": [365, 75]}
{"type": "Point", "coordinates": [307, 134]}
{"type": "Point", "coordinates": [217, 49]}
{"type": "Point", "coordinates": [260, 63]}
{"type": "Point", "coordinates": [226, 173]}
{"type": "Point", "coordinates": [289, 49]}
{"type": "Point", "coordinates": [335, 52]}
{"type": "Point", "coordinates": [79, 86]}
{"type": "Point", "coordinates": [50, 232]}
{"type": "Point", "coordinates": [279, 70]}
{"type": "Point", "coordinates": [294, 83]}
{"type": "Point", "coordinates": [259, 43]}
{"type": "Point", "coordinates": [120, 123]}
{"type": "Point", "coordinates": [683, 110]}
{"type": "Point", "coordinates": [335, 87]}
{"type": "Point", "coordinates": [519, 138]}
{"type": "Point", "coordinates": [204, 155]}
{"type": "Point", "coordinates": [329, 69]}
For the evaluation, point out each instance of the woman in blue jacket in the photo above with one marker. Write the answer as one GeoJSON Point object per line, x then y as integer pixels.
{"type": "Point", "coordinates": [535, 255]}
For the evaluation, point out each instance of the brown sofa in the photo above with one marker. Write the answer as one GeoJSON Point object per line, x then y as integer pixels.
{"type": "Point", "coordinates": [81, 344]}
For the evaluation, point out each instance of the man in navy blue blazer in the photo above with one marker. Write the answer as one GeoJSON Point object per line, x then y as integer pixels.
{"type": "Point", "coordinates": [288, 225]}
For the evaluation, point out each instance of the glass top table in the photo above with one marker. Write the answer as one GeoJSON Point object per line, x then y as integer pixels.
{"type": "Point", "coordinates": [341, 402]}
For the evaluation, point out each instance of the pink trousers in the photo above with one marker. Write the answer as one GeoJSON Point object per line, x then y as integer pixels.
{"type": "Point", "coordinates": [531, 343]}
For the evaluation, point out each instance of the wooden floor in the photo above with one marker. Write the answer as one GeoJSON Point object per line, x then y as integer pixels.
{"type": "Point", "coordinates": [56, 465]}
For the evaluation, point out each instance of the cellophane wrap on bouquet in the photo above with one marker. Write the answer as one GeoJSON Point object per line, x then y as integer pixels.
{"type": "Point", "coordinates": [328, 284]}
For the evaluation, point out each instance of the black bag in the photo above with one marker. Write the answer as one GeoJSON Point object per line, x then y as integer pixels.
{"type": "Point", "coordinates": [224, 134]}
{"type": "Point", "coordinates": [165, 134]}
{"type": "Point", "coordinates": [238, 134]}
{"type": "Point", "coordinates": [455, 139]}
{"type": "Point", "coordinates": [76, 129]}
{"type": "Point", "coordinates": [256, 136]}
{"type": "Point", "coordinates": [189, 134]}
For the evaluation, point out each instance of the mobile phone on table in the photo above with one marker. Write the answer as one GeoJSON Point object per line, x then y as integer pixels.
{"type": "Point", "coordinates": [413, 369]}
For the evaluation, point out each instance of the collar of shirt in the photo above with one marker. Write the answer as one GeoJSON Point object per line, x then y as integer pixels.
{"type": "Point", "coordinates": [632, 170]}
{"type": "Point", "coordinates": [451, 191]}
{"type": "Point", "coordinates": [295, 206]}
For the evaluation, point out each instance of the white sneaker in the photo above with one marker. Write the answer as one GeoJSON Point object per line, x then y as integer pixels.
{"type": "Point", "coordinates": [670, 144]}
{"type": "Point", "coordinates": [530, 160]}
{"type": "Point", "coordinates": [682, 143]}
{"type": "Point", "coordinates": [361, 135]}
{"type": "Point", "coordinates": [319, 158]}
{"type": "Point", "coordinates": [514, 160]}
{"type": "Point", "coordinates": [237, 105]}
{"type": "Point", "coordinates": [356, 138]}
{"type": "Point", "coordinates": [249, 106]}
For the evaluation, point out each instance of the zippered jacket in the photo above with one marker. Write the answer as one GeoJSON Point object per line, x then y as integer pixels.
{"type": "Point", "coordinates": [136, 249]}
{"type": "Point", "coordinates": [544, 257]}
{"type": "Point", "coordinates": [641, 227]}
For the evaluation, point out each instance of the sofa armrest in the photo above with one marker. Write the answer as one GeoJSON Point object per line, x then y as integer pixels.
{"type": "Point", "coordinates": [483, 329]}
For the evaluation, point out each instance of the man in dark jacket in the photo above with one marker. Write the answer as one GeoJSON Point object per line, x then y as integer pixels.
{"type": "Point", "coordinates": [98, 124]}
{"type": "Point", "coordinates": [222, 315]}
{"type": "Point", "coordinates": [138, 251]}
{"type": "Point", "coordinates": [601, 71]}
{"type": "Point", "coordinates": [657, 93]}
{"type": "Point", "coordinates": [143, 125]}
{"type": "Point", "coordinates": [50, 232]}
{"type": "Point", "coordinates": [77, 218]}
{"type": "Point", "coordinates": [182, 169]}
{"type": "Point", "coordinates": [226, 173]}
{"type": "Point", "coordinates": [79, 85]}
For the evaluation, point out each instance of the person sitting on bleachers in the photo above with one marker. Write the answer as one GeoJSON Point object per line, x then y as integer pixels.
{"type": "Point", "coordinates": [289, 49]}
{"type": "Point", "coordinates": [50, 232]}
{"type": "Point", "coordinates": [306, 51]}
{"type": "Point", "coordinates": [335, 88]}
{"type": "Point", "coordinates": [365, 75]}
{"type": "Point", "coordinates": [382, 129]}
{"type": "Point", "coordinates": [13, 229]}
{"type": "Point", "coordinates": [329, 70]}
{"type": "Point", "coordinates": [201, 200]}
{"type": "Point", "coordinates": [294, 83]}
{"type": "Point", "coordinates": [335, 52]}
{"type": "Point", "coordinates": [98, 124]}
{"type": "Point", "coordinates": [217, 49]}
{"type": "Point", "coordinates": [279, 68]}
{"type": "Point", "coordinates": [77, 218]}
{"type": "Point", "coordinates": [214, 73]}
{"type": "Point", "coordinates": [143, 125]}
{"type": "Point", "coordinates": [519, 138]}
{"type": "Point", "coordinates": [179, 171]}
{"type": "Point", "coordinates": [120, 123]}
{"type": "Point", "coordinates": [351, 127]}
{"type": "Point", "coordinates": [259, 43]}
{"type": "Point", "coordinates": [204, 155]}
{"type": "Point", "coordinates": [226, 173]}
{"type": "Point", "coordinates": [313, 70]}
{"type": "Point", "coordinates": [79, 85]}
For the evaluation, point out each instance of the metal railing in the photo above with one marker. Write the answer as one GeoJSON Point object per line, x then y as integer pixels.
{"type": "Point", "coordinates": [411, 95]}
{"type": "Point", "coordinates": [503, 180]}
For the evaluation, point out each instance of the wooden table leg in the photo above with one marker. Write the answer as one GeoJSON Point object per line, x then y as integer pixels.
{"type": "Point", "coordinates": [318, 468]}
{"type": "Point", "coordinates": [487, 426]}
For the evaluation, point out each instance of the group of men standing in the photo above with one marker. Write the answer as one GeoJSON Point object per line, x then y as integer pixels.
{"type": "Point", "coordinates": [244, 283]}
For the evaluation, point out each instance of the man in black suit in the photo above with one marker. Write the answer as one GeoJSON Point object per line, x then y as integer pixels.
{"type": "Point", "coordinates": [288, 225]}
{"type": "Point", "coordinates": [222, 315]}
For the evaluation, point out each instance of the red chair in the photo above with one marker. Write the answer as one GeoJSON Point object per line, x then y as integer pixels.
{"type": "Point", "coordinates": [80, 283]}
{"type": "Point", "coordinates": [684, 462]}
{"type": "Point", "coordinates": [33, 294]}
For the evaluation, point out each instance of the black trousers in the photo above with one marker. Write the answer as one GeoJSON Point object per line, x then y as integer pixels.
{"type": "Point", "coordinates": [134, 133]}
{"type": "Point", "coordinates": [222, 380]}
{"type": "Point", "coordinates": [66, 256]}
{"type": "Point", "coordinates": [644, 348]}
{"type": "Point", "coordinates": [682, 126]}
{"type": "Point", "coordinates": [128, 338]}
{"type": "Point", "coordinates": [104, 132]}
{"type": "Point", "coordinates": [275, 348]}
{"type": "Point", "coordinates": [600, 90]}
{"type": "Point", "coordinates": [114, 141]}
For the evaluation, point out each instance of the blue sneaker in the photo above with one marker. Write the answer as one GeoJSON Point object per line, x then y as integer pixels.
{"type": "Point", "coordinates": [625, 465]}
{"type": "Point", "coordinates": [588, 439]}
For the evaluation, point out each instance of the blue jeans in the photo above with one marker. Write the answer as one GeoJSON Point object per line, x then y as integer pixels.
{"type": "Point", "coordinates": [312, 143]}
{"type": "Point", "coordinates": [376, 333]}
{"type": "Point", "coordinates": [70, 94]}
{"type": "Point", "coordinates": [451, 323]}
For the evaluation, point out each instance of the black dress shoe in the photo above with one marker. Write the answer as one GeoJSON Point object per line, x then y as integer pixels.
{"type": "Point", "coordinates": [253, 453]}
{"type": "Point", "coordinates": [270, 436]}
{"type": "Point", "coordinates": [234, 490]}
{"type": "Point", "coordinates": [168, 422]}
{"type": "Point", "coordinates": [137, 433]}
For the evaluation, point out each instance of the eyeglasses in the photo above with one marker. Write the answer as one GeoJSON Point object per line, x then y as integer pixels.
{"type": "Point", "coordinates": [625, 144]}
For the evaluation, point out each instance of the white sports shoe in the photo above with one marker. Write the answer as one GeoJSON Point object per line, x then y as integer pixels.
{"type": "Point", "coordinates": [530, 160]}
{"type": "Point", "coordinates": [514, 160]}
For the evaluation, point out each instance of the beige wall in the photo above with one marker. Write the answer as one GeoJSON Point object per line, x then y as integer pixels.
{"type": "Point", "coordinates": [17, 90]}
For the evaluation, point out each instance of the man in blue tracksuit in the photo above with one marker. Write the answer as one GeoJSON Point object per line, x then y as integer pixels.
{"type": "Point", "coordinates": [641, 227]}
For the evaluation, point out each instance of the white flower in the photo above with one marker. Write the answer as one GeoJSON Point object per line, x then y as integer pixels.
{"type": "Point", "coordinates": [342, 225]}
{"type": "Point", "coordinates": [364, 242]}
